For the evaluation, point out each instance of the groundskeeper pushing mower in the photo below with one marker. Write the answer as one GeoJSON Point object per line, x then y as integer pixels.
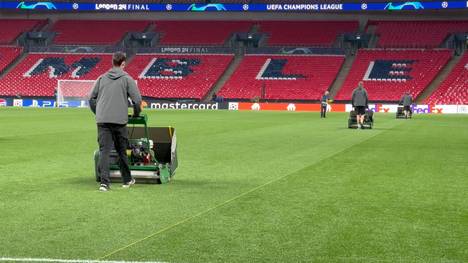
{"type": "Point", "coordinates": [361, 116]}
{"type": "Point", "coordinates": [404, 107]}
{"type": "Point", "coordinates": [109, 102]}
{"type": "Point", "coordinates": [129, 154]}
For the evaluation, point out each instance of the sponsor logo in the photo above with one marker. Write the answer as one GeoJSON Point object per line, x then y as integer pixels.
{"type": "Point", "coordinates": [3, 103]}
{"type": "Point", "coordinates": [207, 7]}
{"type": "Point", "coordinates": [17, 103]}
{"type": "Point", "coordinates": [291, 107]}
{"type": "Point", "coordinates": [233, 106]}
{"type": "Point", "coordinates": [426, 109]}
{"type": "Point", "coordinates": [36, 5]}
{"type": "Point", "coordinates": [406, 5]}
{"type": "Point", "coordinates": [72, 104]}
{"type": "Point", "coordinates": [462, 109]}
{"type": "Point", "coordinates": [33, 103]}
{"type": "Point", "coordinates": [256, 106]}
{"type": "Point", "coordinates": [380, 108]}
{"type": "Point", "coordinates": [183, 106]}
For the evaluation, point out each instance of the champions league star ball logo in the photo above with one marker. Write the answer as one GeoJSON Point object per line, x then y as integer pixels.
{"type": "Point", "coordinates": [75, 6]}
{"type": "Point", "coordinates": [245, 7]}
{"type": "Point", "coordinates": [255, 106]}
{"type": "Point", "coordinates": [291, 107]}
{"type": "Point", "coordinates": [364, 6]}
{"type": "Point", "coordinates": [444, 4]}
{"type": "Point", "coordinates": [168, 7]}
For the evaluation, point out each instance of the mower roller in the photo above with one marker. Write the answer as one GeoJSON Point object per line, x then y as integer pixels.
{"type": "Point", "coordinates": [400, 114]}
{"type": "Point", "coordinates": [151, 153]}
{"type": "Point", "coordinates": [368, 120]}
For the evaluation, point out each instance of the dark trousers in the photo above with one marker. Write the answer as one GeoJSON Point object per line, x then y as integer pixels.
{"type": "Point", "coordinates": [323, 111]}
{"type": "Point", "coordinates": [113, 136]}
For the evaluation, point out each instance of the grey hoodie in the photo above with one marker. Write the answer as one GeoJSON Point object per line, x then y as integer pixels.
{"type": "Point", "coordinates": [406, 100]}
{"type": "Point", "coordinates": [109, 97]}
{"type": "Point", "coordinates": [359, 97]}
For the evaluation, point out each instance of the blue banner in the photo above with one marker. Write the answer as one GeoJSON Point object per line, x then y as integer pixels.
{"type": "Point", "coordinates": [305, 7]}
{"type": "Point", "coordinates": [39, 103]}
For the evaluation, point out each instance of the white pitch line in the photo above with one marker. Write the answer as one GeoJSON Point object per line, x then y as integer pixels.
{"type": "Point", "coordinates": [5, 259]}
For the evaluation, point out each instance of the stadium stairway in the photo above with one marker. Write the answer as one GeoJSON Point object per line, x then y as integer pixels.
{"type": "Point", "coordinates": [13, 64]}
{"type": "Point", "coordinates": [371, 29]}
{"type": "Point", "coordinates": [445, 71]}
{"type": "Point", "coordinates": [342, 74]}
{"type": "Point", "coordinates": [224, 77]}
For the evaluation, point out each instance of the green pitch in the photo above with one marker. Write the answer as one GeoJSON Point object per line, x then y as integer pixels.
{"type": "Point", "coordinates": [251, 187]}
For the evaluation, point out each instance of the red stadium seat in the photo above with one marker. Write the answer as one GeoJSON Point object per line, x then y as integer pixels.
{"type": "Point", "coordinates": [414, 76]}
{"type": "Point", "coordinates": [413, 34]}
{"type": "Point", "coordinates": [8, 55]}
{"type": "Point", "coordinates": [75, 32]}
{"type": "Point", "coordinates": [454, 89]}
{"type": "Point", "coordinates": [12, 28]}
{"type": "Point", "coordinates": [199, 32]}
{"type": "Point", "coordinates": [23, 81]}
{"type": "Point", "coordinates": [316, 74]}
{"type": "Point", "coordinates": [305, 33]}
{"type": "Point", "coordinates": [193, 81]}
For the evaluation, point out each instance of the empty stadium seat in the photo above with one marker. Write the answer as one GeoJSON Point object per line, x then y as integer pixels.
{"type": "Point", "coordinates": [387, 74]}
{"type": "Point", "coordinates": [305, 33]}
{"type": "Point", "coordinates": [8, 55]}
{"type": "Point", "coordinates": [454, 89]}
{"type": "Point", "coordinates": [177, 76]}
{"type": "Point", "coordinates": [75, 32]}
{"type": "Point", "coordinates": [10, 29]}
{"type": "Point", "coordinates": [199, 32]}
{"type": "Point", "coordinates": [38, 73]}
{"type": "Point", "coordinates": [414, 34]}
{"type": "Point", "coordinates": [282, 77]}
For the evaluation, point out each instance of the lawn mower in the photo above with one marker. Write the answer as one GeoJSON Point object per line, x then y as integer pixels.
{"type": "Point", "coordinates": [400, 114]}
{"type": "Point", "coordinates": [151, 153]}
{"type": "Point", "coordinates": [368, 120]}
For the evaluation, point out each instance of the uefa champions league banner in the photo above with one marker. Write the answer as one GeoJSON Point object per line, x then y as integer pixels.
{"type": "Point", "coordinates": [213, 7]}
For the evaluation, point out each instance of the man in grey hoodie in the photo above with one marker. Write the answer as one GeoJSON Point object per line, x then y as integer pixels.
{"type": "Point", "coordinates": [406, 100]}
{"type": "Point", "coordinates": [360, 102]}
{"type": "Point", "coordinates": [109, 102]}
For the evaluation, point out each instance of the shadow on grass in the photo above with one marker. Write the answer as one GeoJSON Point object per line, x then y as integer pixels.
{"type": "Point", "coordinates": [83, 180]}
{"type": "Point", "coordinates": [374, 128]}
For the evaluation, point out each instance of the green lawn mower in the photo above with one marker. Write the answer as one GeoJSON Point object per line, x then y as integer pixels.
{"type": "Point", "coordinates": [152, 153]}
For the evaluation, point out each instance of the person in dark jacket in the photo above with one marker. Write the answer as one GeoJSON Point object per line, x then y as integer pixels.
{"type": "Point", "coordinates": [324, 104]}
{"type": "Point", "coordinates": [406, 100]}
{"type": "Point", "coordinates": [109, 102]}
{"type": "Point", "coordinates": [360, 103]}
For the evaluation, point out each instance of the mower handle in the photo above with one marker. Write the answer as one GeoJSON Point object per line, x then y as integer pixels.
{"type": "Point", "coordinates": [142, 119]}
